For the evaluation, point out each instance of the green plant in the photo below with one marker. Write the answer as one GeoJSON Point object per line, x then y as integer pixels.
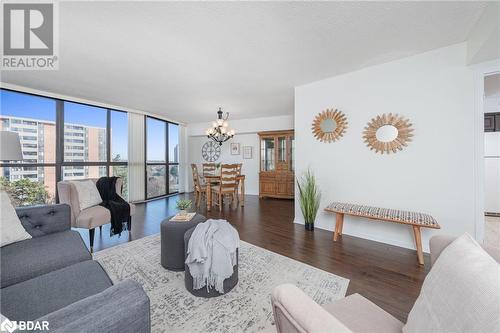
{"type": "Point", "coordinates": [184, 204]}
{"type": "Point", "coordinates": [25, 192]}
{"type": "Point", "coordinates": [309, 196]}
{"type": "Point", "coordinates": [122, 172]}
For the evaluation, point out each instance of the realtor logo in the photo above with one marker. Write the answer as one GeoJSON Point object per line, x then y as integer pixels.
{"type": "Point", "coordinates": [29, 36]}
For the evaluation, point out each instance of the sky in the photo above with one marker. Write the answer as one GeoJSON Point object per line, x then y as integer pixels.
{"type": "Point", "coordinates": [36, 107]}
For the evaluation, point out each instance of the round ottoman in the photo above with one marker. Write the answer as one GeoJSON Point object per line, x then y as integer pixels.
{"type": "Point", "coordinates": [229, 283]}
{"type": "Point", "coordinates": [172, 241]}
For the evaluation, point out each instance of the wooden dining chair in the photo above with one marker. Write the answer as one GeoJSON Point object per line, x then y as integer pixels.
{"type": "Point", "coordinates": [228, 184]}
{"type": "Point", "coordinates": [199, 188]}
{"type": "Point", "coordinates": [209, 169]}
{"type": "Point", "coordinates": [240, 165]}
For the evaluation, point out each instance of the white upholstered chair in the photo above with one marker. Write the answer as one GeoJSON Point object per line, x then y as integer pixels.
{"type": "Point", "coordinates": [295, 312]}
{"type": "Point", "coordinates": [92, 217]}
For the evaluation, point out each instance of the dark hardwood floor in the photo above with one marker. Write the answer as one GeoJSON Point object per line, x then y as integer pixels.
{"type": "Point", "coordinates": [387, 275]}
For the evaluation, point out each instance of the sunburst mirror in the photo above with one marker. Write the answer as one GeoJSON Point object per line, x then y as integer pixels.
{"type": "Point", "coordinates": [329, 125]}
{"type": "Point", "coordinates": [388, 133]}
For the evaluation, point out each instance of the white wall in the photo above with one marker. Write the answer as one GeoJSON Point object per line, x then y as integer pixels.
{"type": "Point", "coordinates": [434, 174]}
{"type": "Point", "coordinates": [246, 135]}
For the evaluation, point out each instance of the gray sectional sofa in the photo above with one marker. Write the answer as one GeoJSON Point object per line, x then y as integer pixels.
{"type": "Point", "coordinates": [53, 277]}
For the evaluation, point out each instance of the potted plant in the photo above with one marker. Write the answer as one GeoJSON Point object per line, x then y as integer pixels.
{"type": "Point", "coordinates": [183, 205]}
{"type": "Point", "coordinates": [309, 198]}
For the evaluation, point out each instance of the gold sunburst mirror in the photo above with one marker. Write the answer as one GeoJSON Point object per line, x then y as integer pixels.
{"type": "Point", "coordinates": [329, 125]}
{"type": "Point", "coordinates": [388, 133]}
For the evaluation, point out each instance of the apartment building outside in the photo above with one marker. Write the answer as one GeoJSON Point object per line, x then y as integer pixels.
{"type": "Point", "coordinates": [81, 143]}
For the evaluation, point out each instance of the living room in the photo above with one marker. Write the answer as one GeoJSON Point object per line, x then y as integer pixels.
{"type": "Point", "coordinates": [250, 166]}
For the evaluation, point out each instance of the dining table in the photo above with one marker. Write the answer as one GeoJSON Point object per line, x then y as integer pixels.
{"type": "Point", "coordinates": [211, 180]}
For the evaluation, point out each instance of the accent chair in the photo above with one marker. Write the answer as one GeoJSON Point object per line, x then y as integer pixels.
{"type": "Point", "coordinates": [295, 312]}
{"type": "Point", "coordinates": [92, 217]}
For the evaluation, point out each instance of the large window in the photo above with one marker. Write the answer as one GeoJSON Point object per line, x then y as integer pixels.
{"type": "Point", "coordinates": [162, 157]}
{"type": "Point", "coordinates": [32, 180]}
{"type": "Point", "coordinates": [60, 140]}
{"type": "Point", "coordinates": [63, 140]}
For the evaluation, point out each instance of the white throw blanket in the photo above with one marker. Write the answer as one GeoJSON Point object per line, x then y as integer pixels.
{"type": "Point", "coordinates": [212, 254]}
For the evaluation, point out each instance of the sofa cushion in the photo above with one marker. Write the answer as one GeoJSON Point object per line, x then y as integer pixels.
{"type": "Point", "coordinates": [360, 315]}
{"type": "Point", "coordinates": [123, 308]}
{"type": "Point", "coordinates": [11, 229]}
{"type": "Point", "coordinates": [46, 293]}
{"type": "Point", "coordinates": [33, 257]}
{"type": "Point", "coordinates": [45, 219]}
{"type": "Point", "coordinates": [460, 293]}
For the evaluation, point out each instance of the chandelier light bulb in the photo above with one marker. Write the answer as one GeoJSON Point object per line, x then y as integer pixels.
{"type": "Point", "coordinates": [225, 124]}
{"type": "Point", "coordinates": [214, 124]}
{"type": "Point", "coordinates": [219, 122]}
{"type": "Point", "coordinates": [223, 130]}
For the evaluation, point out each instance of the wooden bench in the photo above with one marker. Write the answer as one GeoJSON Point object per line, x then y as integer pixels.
{"type": "Point", "coordinates": [416, 220]}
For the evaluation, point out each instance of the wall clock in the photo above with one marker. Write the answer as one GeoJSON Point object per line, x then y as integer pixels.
{"type": "Point", "coordinates": [210, 151]}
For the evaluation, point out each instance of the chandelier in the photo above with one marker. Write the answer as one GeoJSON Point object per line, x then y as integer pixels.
{"type": "Point", "coordinates": [220, 131]}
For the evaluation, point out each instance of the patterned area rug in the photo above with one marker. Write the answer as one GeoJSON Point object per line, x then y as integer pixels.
{"type": "Point", "coordinates": [246, 308]}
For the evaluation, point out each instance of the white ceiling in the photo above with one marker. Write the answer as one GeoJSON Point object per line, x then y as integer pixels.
{"type": "Point", "coordinates": [184, 59]}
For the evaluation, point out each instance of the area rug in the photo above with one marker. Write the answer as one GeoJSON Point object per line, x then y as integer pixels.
{"type": "Point", "coordinates": [246, 308]}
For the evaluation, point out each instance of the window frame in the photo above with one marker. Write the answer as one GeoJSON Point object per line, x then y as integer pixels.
{"type": "Point", "coordinates": [166, 164]}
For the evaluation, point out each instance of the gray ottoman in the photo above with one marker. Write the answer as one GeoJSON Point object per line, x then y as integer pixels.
{"type": "Point", "coordinates": [172, 241]}
{"type": "Point", "coordinates": [229, 283]}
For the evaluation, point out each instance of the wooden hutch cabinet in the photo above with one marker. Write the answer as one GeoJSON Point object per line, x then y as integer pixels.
{"type": "Point", "coordinates": [276, 176]}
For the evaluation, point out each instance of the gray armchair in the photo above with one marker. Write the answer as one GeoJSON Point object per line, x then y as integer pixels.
{"type": "Point", "coordinates": [91, 217]}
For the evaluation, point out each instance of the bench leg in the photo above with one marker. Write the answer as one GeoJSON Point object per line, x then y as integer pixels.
{"type": "Point", "coordinates": [341, 227]}
{"type": "Point", "coordinates": [339, 224]}
{"type": "Point", "coordinates": [418, 244]}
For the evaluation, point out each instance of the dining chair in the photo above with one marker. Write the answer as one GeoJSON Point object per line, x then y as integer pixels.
{"type": "Point", "coordinates": [240, 165]}
{"type": "Point", "coordinates": [228, 184]}
{"type": "Point", "coordinates": [209, 169]}
{"type": "Point", "coordinates": [199, 188]}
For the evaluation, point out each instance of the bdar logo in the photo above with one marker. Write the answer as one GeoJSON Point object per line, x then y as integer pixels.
{"type": "Point", "coordinates": [7, 326]}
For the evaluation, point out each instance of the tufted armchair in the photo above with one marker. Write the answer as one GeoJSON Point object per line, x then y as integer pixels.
{"type": "Point", "coordinates": [91, 217]}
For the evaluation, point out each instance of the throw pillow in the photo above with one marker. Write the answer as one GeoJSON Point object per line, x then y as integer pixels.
{"type": "Point", "coordinates": [11, 229]}
{"type": "Point", "coordinates": [88, 195]}
{"type": "Point", "coordinates": [461, 293]}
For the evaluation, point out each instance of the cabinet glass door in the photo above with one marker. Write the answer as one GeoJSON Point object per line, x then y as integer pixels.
{"type": "Point", "coordinates": [281, 149]}
{"type": "Point", "coordinates": [292, 152]}
{"type": "Point", "coordinates": [267, 154]}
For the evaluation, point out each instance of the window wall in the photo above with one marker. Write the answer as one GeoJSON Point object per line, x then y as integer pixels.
{"type": "Point", "coordinates": [162, 157]}
{"type": "Point", "coordinates": [60, 140]}
{"type": "Point", "coordinates": [33, 179]}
